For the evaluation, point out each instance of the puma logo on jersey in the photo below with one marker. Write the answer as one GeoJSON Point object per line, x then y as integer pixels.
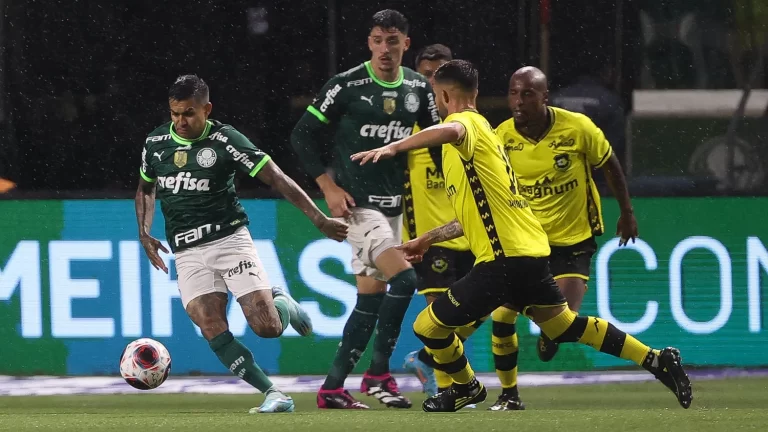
{"type": "Point", "coordinates": [388, 133]}
{"type": "Point", "coordinates": [159, 156]}
{"type": "Point", "coordinates": [367, 99]}
{"type": "Point", "coordinates": [183, 181]}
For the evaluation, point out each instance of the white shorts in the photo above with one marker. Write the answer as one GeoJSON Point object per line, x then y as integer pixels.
{"type": "Point", "coordinates": [370, 234]}
{"type": "Point", "coordinates": [229, 263]}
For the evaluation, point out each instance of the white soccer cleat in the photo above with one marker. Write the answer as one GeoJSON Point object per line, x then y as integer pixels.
{"type": "Point", "coordinates": [299, 319]}
{"type": "Point", "coordinates": [275, 402]}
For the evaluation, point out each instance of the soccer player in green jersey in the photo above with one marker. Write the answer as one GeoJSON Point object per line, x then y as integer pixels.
{"type": "Point", "coordinates": [368, 106]}
{"type": "Point", "coordinates": [189, 164]}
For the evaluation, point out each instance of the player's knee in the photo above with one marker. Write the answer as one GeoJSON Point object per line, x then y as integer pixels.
{"type": "Point", "coordinates": [212, 328]}
{"type": "Point", "coordinates": [266, 330]}
{"type": "Point", "coordinates": [428, 331]}
{"type": "Point", "coordinates": [503, 314]}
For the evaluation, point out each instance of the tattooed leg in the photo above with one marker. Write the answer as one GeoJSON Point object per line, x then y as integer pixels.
{"type": "Point", "coordinates": [264, 318]}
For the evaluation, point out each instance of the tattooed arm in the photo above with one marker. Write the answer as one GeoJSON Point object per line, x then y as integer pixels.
{"type": "Point", "coordinates": [415, 249]}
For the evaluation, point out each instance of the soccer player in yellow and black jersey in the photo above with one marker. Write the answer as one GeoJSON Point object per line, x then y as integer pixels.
{"type": "Point", "coordinates": [425, 207]}
{"type": "Point", "coordinates": [511, 250]}
{"type": "Point", "coordinates": [553, 152]}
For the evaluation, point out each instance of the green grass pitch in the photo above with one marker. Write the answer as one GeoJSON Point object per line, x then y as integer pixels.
{"type": "Point", "coordinates": [722, 405]}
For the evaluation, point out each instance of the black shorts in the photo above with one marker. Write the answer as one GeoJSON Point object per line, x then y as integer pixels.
{"type": "Point", "coordinates": [441, 268]}
{"type": "Point", "coordinates": [572, 261]}
{"type": "Point", "coordinates": [520, 281]}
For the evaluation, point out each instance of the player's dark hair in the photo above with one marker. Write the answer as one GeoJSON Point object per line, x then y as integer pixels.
{"type": "Point", "coordinates": [390, 18]}
{"type": "Point", "coordinates": [189, 87]}
{"type": "Point", "coordinates": [459, 72]}
{"type": "Point", "coordinates": [434, 52]}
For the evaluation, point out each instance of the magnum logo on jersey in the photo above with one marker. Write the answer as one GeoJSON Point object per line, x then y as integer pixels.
{"type": "Point", "coordinates": [183, 181]}
{"type": "Point", "coordinates": [562, 162]}
{"type": "Point", "coordinates": [547, 187]}
{"type": "Point", "coordinates": [180, 158]}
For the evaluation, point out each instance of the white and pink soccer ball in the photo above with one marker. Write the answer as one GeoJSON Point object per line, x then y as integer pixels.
{"type": "Point", "coordinates": [145, 364]}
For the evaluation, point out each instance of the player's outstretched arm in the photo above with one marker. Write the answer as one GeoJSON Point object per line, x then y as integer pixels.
{"type": "Point", "coordinates": [145, 211]}
{"type": "Point", "coordinates": [272, 175]}
{"type": "Point", "coordinates": [627, 225]}
{"type": "Point", "coordinates": [415, 249]}
{"type": "Point", "coordinates": [432, 136]}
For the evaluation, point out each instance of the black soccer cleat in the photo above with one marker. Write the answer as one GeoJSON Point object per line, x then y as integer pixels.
{"type": "Point", "coordinates": [546, 348]}
{"type": "Point", "coordinates": [457, 397]}
{"type": "Point", "coordinates": [667, 367]}
{"type": "Point", "coordinates": [507, 402]}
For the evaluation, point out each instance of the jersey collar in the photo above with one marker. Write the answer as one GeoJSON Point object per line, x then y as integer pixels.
{"type": "Point", "coordinates": [184, 141]}
{"type": "Point", "coordinates": [384, 84]}
{"type": "Point", "coordinates": [550, 120]}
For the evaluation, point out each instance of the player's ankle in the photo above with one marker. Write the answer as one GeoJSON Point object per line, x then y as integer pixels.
{"type": "Point", "coordinates": [510, 391]}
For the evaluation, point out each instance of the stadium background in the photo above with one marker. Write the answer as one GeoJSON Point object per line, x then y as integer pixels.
{"type": "Point", "coordinates": [82, 83]}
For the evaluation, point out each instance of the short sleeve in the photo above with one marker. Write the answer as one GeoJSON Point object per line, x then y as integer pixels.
{"type": "Point", "coordinates": [245, 155]}
{"type": "Point", "coordinates": [596, 147]}
{"type": "Point", "coordinates": [146, 171]}
{"type": "Point", "coordinates": [327, 104]}
{"type": "Point", "coordinates": [466, 145]}
{"type": "Point", "coordinates": [428, 115]}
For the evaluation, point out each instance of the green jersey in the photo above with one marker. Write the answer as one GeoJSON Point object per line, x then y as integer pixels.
{"type": "Point", "coordinates": [365, 113]}
{"type": "Point", "coordinates": [195, 181]}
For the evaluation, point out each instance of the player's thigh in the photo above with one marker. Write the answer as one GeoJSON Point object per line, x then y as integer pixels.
{"type": "Point", "coordinates": [570, 267]}
{"type": "Point", "coordinates": [471, 298]}
{"type": "Point", "coordinates": [203, 293]}
{"type": "Point", "coordinates": [237, 262]}
{"type": "Point", "coordinates": [373, 237]}
{"type": "Point", "coordinates": [538, 295]}
{"type": "Point", "coordinates": [370, 285]}
{"type": "Point", "coordinates": [438, 270]}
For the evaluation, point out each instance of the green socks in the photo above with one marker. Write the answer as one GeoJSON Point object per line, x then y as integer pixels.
{"type": "Point", "coordinates": [393, 309]}
{"type": "Point", "coordinates": [357, 333]}
{"type": "Point", "coordinates": [239, 359]}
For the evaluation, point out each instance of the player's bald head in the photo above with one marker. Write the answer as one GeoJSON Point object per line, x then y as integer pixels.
{"type": "Point", "coordinates": [531, 77]}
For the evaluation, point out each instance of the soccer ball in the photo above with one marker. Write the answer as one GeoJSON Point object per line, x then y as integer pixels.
{"type": "Point", "coordinates": [145, 364]}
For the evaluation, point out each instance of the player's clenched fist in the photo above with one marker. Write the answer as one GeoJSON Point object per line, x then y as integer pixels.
{"type": "Point", "coordinates": [334, 229]}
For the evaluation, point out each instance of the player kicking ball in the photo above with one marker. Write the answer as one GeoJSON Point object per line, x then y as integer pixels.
{"type": "Point", "coordinates": [366, 107]}
{"type": "Point", "coordinates": [511, 248]}
{"type": "Point", "coordinates": [189, 164]}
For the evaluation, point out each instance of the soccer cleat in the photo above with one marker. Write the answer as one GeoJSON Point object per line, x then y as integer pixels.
{"type": "Point", "coordinates": [546, 348]}
{"type": "Point", "coordinates": [299, 319]}
{"type": "Point", "coordinates": [456, 398]}
{"type": "Point", "coordinates": [338, 399]}
{"type": "Point", "coordinates": [424, 373]}
{"type": "Point", "coordinates": [507, 402]}
{"type": "Point", "coordinates": [384, 388]}
{"type": "Point", "coordinates": [667, 367]}
{"type": "Point", "coordinates": [275, 402]}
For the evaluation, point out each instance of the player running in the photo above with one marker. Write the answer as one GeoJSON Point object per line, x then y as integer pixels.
{"type": "Point", "coordinates": [553, 152]}
{"type": "Point", "coordinates": [190, 163]}
{"type": "Point", "coordinates": [371, 105]}
{"type": "Point", "coordinates": [511, 248]}
{"type": "Point", "coordinates": [426, 206]}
